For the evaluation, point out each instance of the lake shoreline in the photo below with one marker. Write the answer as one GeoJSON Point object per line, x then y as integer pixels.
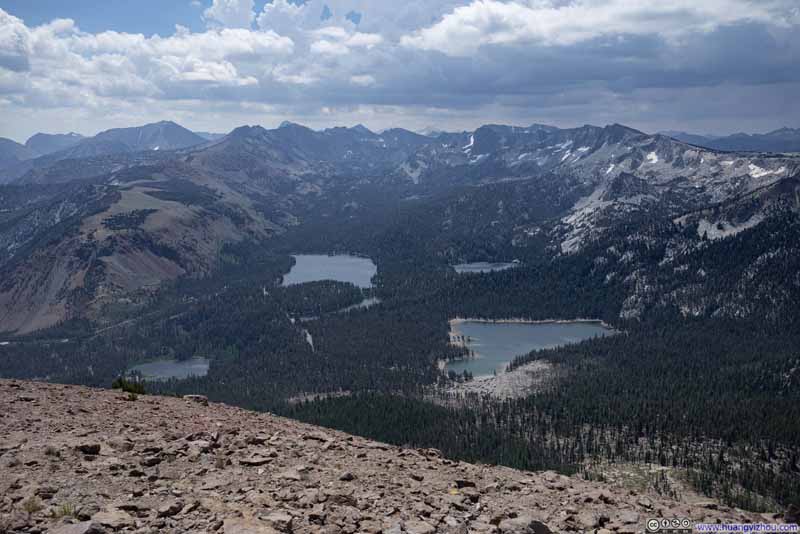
{"type": "Point", "coordinates": [458, 338]}
{"type": "Point", "coordinates": [347, 268]}
{"type": "Point", "coordinates": [163, 369]}
{"type": "Point", "coordinates": [516, 320]}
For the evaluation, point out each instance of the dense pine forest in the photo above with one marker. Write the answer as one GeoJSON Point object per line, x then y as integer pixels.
{"type": "Point", "coordinates": [714, 396]}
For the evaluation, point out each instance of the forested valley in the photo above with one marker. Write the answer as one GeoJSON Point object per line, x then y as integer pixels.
{"type": "Point", "coordinates": [714, 395]}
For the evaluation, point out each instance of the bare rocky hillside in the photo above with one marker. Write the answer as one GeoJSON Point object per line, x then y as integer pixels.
{"type": "Point", "coordinates": [77, 461]}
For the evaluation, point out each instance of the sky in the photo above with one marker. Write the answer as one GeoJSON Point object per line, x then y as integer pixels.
{"type": "Point", "coordinates": [709, 66]}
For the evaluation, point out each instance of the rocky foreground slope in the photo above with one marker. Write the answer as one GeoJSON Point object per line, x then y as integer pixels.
{"type": "Point", "coordinates": [75, 460]}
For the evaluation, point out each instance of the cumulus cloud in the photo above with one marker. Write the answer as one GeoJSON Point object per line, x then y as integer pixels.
{"type": "Point", "coordinates": [337, 41]}
{"type": "Point", "coordinates": [547, 22]}
{"type": "Point", "coordinates": [60, 63]}
{"type": "Point", "coordinates": [14, 43]}
{"type": "Point", "coordinates": [364, 80]}
{"type": "Point", "coordinates": [230, 13]}
{"type": "Point", "coordinates": [450, 62]}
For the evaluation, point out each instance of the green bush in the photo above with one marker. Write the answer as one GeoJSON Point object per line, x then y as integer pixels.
{"type": "Point", "coordinates": [137, 388]}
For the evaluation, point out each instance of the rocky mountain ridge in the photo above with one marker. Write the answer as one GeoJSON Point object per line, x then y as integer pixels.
{"type": "Point", "coordinates": [13, 153]}
{"type": "Point", "coordinates": [44, 144]}
{"type": "Point", "coordinates": [181, 203]}
{"type": "Point", "coordinates": [132, 142]}
{"type": "Point", "coordinates": [781, 140]}
{"type": "Point", "coordinates": [78, 461]}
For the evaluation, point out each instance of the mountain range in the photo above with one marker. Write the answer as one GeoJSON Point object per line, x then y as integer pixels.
{"type": "Point", "coordinates": [42, 150]}
{"type": "Point", "coordinates": [113, 254]}
{"type": "Point", "coordinates": [128, 209]}
{"type": "Point", "coordinates": [43, 144]}
{"type": "Point", "coordinates": [782, 140]}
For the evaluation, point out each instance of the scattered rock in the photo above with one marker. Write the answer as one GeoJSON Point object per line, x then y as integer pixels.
{"type": "Point", "coordinates": [150, 461]}
{"type": "Point", "coordinates": [419, 527]}
{"type": "Point", "coordinates": [113, 519]}
{"type": "Point", "coordinates": [524, 523]}
{"type": "Point", "coordinates": [199, 399]}
{"type": "Point", "coordinates": [89, 448]}
{"type": "Point", "coordinates": [290, 474]}
{"type": "Point", "coordinates": [169, 465]}
{"type": "Point", "coordinates": [247, 526]}
{"type": "Point", "coordinates": [170, 509]}
{"type": "Point", "coordinates": [86, 527]}
{"type": "Point", "coordinates": [280, 521]}
{"type": "Point", "coordinates": [255, 460]}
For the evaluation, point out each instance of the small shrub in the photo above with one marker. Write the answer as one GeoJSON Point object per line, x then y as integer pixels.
{"type": "Point", "coordinates": [32, 505]}
{"type": "Point", "coordinates": [128, 386]}
{"type": "Point", "coordinates": [65, 510]}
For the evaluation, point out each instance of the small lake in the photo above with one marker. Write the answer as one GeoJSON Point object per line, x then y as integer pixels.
{"type": "Point", "coordinates": [496, 344]}
{"type": "Point", "coordinates": [166, 369]}
{"type": "Point", "coordinates": [482, 267]}
{"type": "Point", "coordinates": [341, 268]}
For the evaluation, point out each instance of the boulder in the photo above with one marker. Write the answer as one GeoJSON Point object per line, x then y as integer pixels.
{"type": "Point", "coordinates": [419, 527]}
{"type": "Point", "coordinates": [89, 448]}
{"type": "Point", "coordinates": [239, 525]}
{"type": "Point", "coordinates": [113, 519]}
{"type": "Point", "coordinates": [85, 527]}
{"type": "Point", "coordinates": [524, 524]}
{"type": "Point", "coordinates": [169, 509]}
{"type": "Point", "coordinates": [280, 521]}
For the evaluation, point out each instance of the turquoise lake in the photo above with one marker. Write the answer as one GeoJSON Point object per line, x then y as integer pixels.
{"type": "Point", "coordinates": [166, 369]}
{"type": "Point", "coordinates": [496, 344]}
{"type": "Point", "coordinates": [340, 268]}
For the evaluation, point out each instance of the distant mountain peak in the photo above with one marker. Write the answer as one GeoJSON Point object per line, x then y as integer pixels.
{"type": "Point", "coordinates": [290, 124]}
{"type": "Point", "coordinates": [430, 131]}
{"type": "Point", "coordinates": [360, 128]}
{"type": "Point", "coordinates": [785, 130]}
{"type": "Point", "coordinates": [782, 140]}
{"type": "Point", "coordinates": [45, 143]}
{"type": "Point", "coordinates": [247, 131]}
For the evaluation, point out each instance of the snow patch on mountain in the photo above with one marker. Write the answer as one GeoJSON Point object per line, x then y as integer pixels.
{"type": "Point", "coordinates": [722, 229]}
{"type": "Point", "coordinates": [414, 172]}
{"type": "Point", "coordinates": [758, 172]}
{"type": "Point", "coordinates": [468, 148]}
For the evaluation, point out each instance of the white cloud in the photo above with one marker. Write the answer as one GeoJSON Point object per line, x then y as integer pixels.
{"type": "Point", "coordinates": [57, 64]}
{"type": "Point", "coordinates": [230, 13]}
{"type": "Point", "coordinates": [364, 80]}
{"type": "Point", "coordinates": [288, 74]}
{"type": "Point", "coordinates": [285, 17]}
{"type": "Point", "coordinates": [538, 60]}
{"type": "Point", "coordinates": [552, 23]}
{"type": "Point", "coordinates": [329, 48]}
{"type": "Point", "coordinates": [337, 41]}
{"type": "Point", "coordinates": [14, 43]}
